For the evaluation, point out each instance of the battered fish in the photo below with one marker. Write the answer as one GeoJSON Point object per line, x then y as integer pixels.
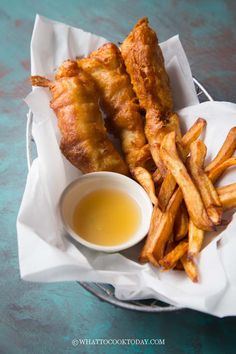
{"type": "Point", "coordinates": [119, 102]}
{"type": "Point", "coordinates": [84, 139]}
{"type": "Point", "coordinates": [145, 64]}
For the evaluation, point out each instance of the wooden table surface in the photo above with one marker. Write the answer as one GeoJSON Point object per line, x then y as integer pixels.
{"type": "Point", "coordinates": [44, 318]}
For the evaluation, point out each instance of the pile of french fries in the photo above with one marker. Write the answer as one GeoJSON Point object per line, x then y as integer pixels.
{"type": "Point", "coordinates": [186, 202]}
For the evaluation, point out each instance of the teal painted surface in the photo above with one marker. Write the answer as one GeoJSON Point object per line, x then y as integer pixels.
{"type": "Point", "coordinates": [39, 318]}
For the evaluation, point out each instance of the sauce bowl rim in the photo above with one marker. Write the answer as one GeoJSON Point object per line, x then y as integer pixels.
{"type": "Point", "coordinates": [141, 231]}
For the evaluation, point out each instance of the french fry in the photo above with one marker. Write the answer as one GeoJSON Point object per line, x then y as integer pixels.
{"type": "Point", "coordinates": [157, 177]}
{"type": "Point", "coordinates": [166, 190]}
{"type": "Point", "coordinates": [207, 190]}
{"type": "Point", "coordinates": [227, 196]}
{"type": "Point", "coordinates": [155, 151]}
{"type": "Point", "coordinates": [195, 236]}
{"type": "Point", "coordinates": [155, 138]}
{"type": "Point", "coordinates": [193, 133]}
{"type": "Point", "coordinates": [146, 253]}
{"type": "Point", "coordinates": [156, 134]}
{"type": "Point", "coordinates": [146, 181]}
{"type": "Point", "coordinates": [230, 188]}
{"type": "Point", "coordinates": [191, 195]}
{"type": "Point", "coordinates": [226, 150]}
{"type": "Point", "coordinates": [169, 182]}
{"type": "Point", "coordinates": [169, 261]}
{"type": "Point", "coordinates": [181, 223]}
{"type": "Point", "coordinates": [228, 200]}
{"type": "Point", "coordinates": [218, 170]}
{"type": "Point", "coordinates": [190, 268]}
{"type": "Point", "coordinates": [160, 230]}
{"type": "Point", "coordinates": [170, 244]}
{"type": "Point", "coordinates": [165, 227]}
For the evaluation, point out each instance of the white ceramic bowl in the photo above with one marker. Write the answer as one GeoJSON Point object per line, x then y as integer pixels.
{"type": "Point", "coordinates": [90, 182]}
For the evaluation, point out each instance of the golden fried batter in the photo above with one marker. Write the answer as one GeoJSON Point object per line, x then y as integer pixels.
{"type": "Point", "coordinates": [84, 140]}
{"type": "Point", "coordinates": [145, 64]}
{"type": "Point", "coordinates": [118, 101]}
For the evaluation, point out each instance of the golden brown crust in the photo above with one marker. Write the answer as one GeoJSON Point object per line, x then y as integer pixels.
{"type": "Point", "coordinates": [118, 101]}
{"type": "Point", "coordinates": [84, 140]}
{"type": "Point", "coordinates": [145, 64]}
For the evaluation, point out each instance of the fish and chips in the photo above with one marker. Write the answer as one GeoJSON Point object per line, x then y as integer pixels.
{"type": "Point", "coordinates": [131, 88]}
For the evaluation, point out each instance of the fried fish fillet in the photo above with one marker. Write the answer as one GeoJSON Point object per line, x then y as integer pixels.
{"type": "Point", "coordinates": [118, 101]}
{"type": "Point", "coordinates": [145, 64]}
{"type": "Point", "coordinates": [84, 139]}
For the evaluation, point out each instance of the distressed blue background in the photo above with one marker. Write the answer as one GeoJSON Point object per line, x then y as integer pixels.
{"type": "Point", "coordinates": [39, 318]}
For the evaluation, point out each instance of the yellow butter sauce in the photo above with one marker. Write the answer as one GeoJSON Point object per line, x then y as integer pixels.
{"type": "Point", "coordinates": [106, 217]}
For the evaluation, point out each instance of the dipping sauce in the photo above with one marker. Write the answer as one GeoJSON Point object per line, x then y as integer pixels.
{"type": "Point", "coordinates": [106, 217]}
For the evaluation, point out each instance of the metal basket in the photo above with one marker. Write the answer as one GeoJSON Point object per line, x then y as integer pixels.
{"type": "Point", "coordinates": [105, 292]}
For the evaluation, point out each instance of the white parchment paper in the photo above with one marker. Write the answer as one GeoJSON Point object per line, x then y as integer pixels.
{"type": "Point", "coordinates": [47, 255]}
